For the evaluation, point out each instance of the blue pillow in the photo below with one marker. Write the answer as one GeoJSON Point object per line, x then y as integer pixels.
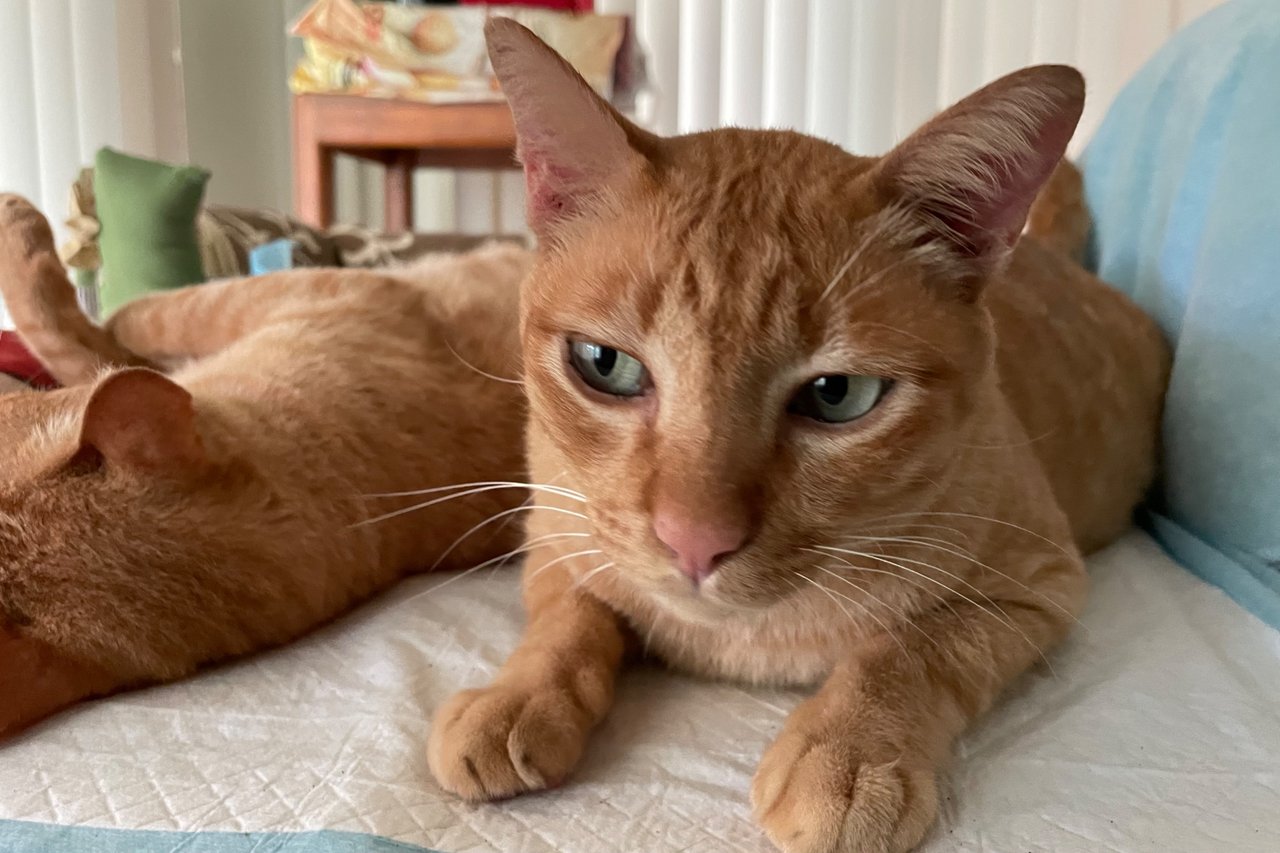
{"type": "Point", "coordinates": [1183, 180]}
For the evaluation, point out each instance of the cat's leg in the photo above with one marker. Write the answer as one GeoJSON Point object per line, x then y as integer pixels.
{"type": "Point", "coordinates": [198, 321]}
{"type": "Point", "coordinates": [527, 730]}
{"type": "Point", "coordinates": [855, 768]}
{"type": "Point", "coordinates": [43, 302]}
{"type": "Point", "coordinates": [161, 328]}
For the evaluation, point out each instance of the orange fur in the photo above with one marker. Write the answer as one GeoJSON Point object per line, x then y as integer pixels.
{"type": "Point", "coordinates": [912, 562]}
{"type": "Point", "coordinates": [152, 524]}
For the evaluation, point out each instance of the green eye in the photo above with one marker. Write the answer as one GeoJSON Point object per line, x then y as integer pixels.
{"type": "Point", "coordinates": [608, 370]}
{"type": "Point", "coordinates": [838, 399]}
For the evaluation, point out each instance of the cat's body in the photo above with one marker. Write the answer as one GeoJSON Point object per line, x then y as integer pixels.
{"type": "Point", "coordinates": [823, 420]}
{"type": "Point", "coordinates": [149, 525]}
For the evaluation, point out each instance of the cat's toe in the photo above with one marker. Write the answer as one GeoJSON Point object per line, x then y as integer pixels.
{"type": "Point", "coordinates": [821, 796]}
{"type": "Point", "coordinates": [500, 741]}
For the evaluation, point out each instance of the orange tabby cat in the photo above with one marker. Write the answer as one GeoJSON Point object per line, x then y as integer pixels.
{"type": "Point", "coordinates": [149, 524]}
{"type": "Point", "coordinates": [830, 421]}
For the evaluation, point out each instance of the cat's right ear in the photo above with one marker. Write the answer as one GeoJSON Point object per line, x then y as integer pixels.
{"type": "Point", "coordinates": [572, 144]}
{"type": "Point", "coordinates": [141, 420]}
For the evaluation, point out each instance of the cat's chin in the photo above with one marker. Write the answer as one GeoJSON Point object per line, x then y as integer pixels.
{"type": "Point", "coordinates": [705, 606]}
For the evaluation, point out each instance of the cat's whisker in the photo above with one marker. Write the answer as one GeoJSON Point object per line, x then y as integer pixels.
{"type": "Point", "coordinates": [1041, 437]}
{"type": "Point", "coordinates": [870, 526]}
{"type": "Point", "coordinates": [483, 373]}
{"type": "Point", "coordinates": [897, 561]}
{"type": "Point", "coordinates": [561, 559]}
{"type": "Point", "coordinates": [472, 570]}
{"type": "Point", "coordinates": [648, 634]}
{"type": "Point", "coordinates": [582, 581]}
{"type": "Point", "coordinates": [835, 596]}
{"type": "Point", "coordinates": [987, 518]}
{"type": "Point", "coordinates": [903, 617]}
{"type": "Point", "coordinates": [875, 277]}
{"type": "Point", "coordinates": [532, 545]}
{"type": "Point", "coordinates": [525, 507]}
{"type": "Point", "coordinates": [964, 554]}
{"type": "Point", "coordinates": [924, 590]}
{"type": "Point", "coordinates": [923, 541]}
{"type": "Point", "coordinates": [930, 344]}
{"type": "Point", "coordinates": [844, 268]}
{"type": "Point", "coordinates": [408, 509]}
{"type": "Point", "coordinates": [998, 614]}
{"type": "Point", "coordinates": [488, 485]}
{"type": "Point", "coordinates": [459, 576]}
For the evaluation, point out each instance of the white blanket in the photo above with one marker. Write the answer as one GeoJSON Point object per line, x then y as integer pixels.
{"type": "Point", "coordinates": [1160, 731]}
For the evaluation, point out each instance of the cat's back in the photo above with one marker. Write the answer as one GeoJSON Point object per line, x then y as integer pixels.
{"type": "Point", "coordinates": [1084, 369]}
{"type": "Point", "coordinates": [349, 330]}
{"type": "Point", "coordinates": [360, 366]}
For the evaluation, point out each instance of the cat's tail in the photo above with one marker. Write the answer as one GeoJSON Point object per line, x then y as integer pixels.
{"type": "Point", "coordinates": [1059, 217]}
{"type": "Point", "coordinates": [42, 301]}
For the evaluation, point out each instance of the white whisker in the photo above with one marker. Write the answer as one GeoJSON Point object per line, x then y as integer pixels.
{"type": "Point", "coordinates": [531, 545]}
{"type": "Point", "coordinates": [844, 268]}
{"type": "Point", "coordinates": [1042, 538]}
{"type": "Point", "coordinates": [503, 514]}
{"type": "Point", "coordinates": [897, 612]}
{"type": "Point", "coordinates": [561, 559]}
{"type": "Point", "coordinates": [832, 595]}
{"type": "Point", "coordinates": [433, 502]}
{"type": "Point", "coordinates": [964, 554]}
{"type": "Point", "coordinates": [487, 485]}
{"type": "Point", "coordinates": [483, 373]}
{"type": "Point", "coordinates": [898, 527]}
{"type": "Point", "coordinates": [898, 562]}
{"type": "Point", "coordinates": [582, 581]}
{"type": "Point", "coordinates": [897, 576]}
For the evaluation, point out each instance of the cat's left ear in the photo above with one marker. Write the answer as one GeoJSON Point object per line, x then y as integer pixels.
{"type": "Point", "coordinates": [140, 420]}
{"type": "Point", "coordinates": [972, 173]}
{"type": "Point", "coordinates": [574, 146]}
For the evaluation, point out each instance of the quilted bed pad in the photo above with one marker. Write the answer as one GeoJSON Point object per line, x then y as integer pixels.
{"type": "Point", "coordinates": [1157, 729]}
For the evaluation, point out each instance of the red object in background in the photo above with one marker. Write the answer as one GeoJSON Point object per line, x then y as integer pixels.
{"type": "Point", "coordinates": [17, 361]}
{"type": "Point", "coordinates": [562, 5]}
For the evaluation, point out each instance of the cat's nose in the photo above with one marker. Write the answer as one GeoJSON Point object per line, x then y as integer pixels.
{"type": "Point", "coordinates": [699, 546]}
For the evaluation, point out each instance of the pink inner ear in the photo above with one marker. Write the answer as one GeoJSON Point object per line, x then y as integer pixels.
{"type": "Point", "coordinates": [548, 190]}
{"type": "Point", "coordinates": [995, 222]}
{"type": "Point", "coordinates": [140, 419]}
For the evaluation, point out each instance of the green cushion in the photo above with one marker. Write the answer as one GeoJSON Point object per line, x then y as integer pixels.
{"type": "Point", "coordinates": [148, 214]}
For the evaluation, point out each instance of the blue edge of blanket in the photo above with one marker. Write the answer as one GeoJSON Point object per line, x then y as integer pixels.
{"type": "Point", "coordinates": [18, 836]}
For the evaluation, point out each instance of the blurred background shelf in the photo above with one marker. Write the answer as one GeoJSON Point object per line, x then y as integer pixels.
{"type": "Point", "coordinates": [402, 136]}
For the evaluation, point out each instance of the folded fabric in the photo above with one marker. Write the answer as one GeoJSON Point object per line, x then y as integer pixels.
{"type": "Point", "coordinates": [17, 361]}
{"type": "Point", "coordinates": [1183, 180]}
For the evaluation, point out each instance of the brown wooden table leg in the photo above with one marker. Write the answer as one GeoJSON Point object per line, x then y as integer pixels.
{"type": "Point", "coordinates": [312, 169]}
{"type": "Point", "coordinates": [398, 192]}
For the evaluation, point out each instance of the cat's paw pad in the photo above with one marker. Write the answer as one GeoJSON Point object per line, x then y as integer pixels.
{"type": "Point", "coordinates": [816, 795]}
{"type": "Point", "coordinates": [503, 740]}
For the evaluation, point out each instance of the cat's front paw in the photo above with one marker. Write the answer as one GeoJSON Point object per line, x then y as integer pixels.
{"type": "Point", "coordinates": [816, 792]}
{"type": "Point", "coordinates": [504, 740]}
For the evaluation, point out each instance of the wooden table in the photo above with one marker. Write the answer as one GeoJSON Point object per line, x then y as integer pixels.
{"type": "Point", "coordinates": [402, 135]}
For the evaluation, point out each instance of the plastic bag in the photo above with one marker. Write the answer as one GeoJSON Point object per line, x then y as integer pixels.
{"type": "Point", "coordinates": [435, 53]}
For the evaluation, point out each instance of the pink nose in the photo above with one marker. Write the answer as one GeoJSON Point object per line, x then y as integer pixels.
{"type": "Point", "coordinates": [699, 546]}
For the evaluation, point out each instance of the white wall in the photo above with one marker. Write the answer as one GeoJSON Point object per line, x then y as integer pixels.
{"type": "Point", "coordinates": [76, 75]}
{"type": "Point", "coordinates": [235, 68]}
{"type": "Point", "coordinates": [237, 58]}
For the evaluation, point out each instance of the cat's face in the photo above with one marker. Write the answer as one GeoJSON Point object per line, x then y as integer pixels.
{"type": "Point", "coordinates": [745, 347]}
{"type": "Point", "coordinates": [742, 345]}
